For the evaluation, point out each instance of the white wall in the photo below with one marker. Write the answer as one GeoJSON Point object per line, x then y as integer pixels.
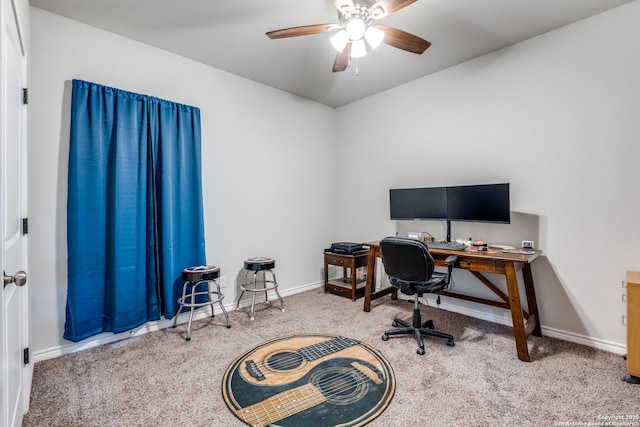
{"type": "Point", "coordinates": [557, 117]}
{"type": "Point", "coordinates": [265, 159]}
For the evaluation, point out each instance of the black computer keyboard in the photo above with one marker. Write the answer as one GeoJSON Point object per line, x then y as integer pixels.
{"type": "Point", "coordinates": [452, 246]}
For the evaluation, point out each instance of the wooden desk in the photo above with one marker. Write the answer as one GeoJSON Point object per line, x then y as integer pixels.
{"type": "Point", "coordinates": [524, 323]}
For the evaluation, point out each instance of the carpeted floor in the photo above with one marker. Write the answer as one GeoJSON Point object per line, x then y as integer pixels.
{"type": "Point", "coordinates": [159, 379]}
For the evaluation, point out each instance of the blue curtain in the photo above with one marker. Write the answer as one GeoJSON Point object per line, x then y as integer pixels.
{"type": "Point", "coordinates": [134, 208]}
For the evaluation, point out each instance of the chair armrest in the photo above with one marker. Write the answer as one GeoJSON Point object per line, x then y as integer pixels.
{"type": "Point", "coordinates": [450, 262]}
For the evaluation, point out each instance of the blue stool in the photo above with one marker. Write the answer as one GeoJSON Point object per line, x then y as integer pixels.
{"type": "Point", "coordinates": [196, 277]}
{"type": "Point", "coordinates": [257, 265]}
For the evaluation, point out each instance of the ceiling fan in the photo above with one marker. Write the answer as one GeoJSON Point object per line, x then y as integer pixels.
{"type": "Point", "coordinates": [355, 26]}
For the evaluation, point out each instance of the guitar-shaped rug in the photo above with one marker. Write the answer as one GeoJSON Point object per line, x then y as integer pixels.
{"type": "Point", "coordinates": [316, 380]}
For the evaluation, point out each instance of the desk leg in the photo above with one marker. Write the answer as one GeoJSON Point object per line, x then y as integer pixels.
{"type": "Point", "coordinates": [516, 312]}
{"type": "Point", "coordinates": [371, 280]}
{"type": "Point", "coordinates": [353, 279]}
{"type": "Point", "coordinates": [326, 276]}
{"type": "Point", "coordinates": [531, 298]}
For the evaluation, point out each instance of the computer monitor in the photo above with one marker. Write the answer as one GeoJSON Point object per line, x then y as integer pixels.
{"type": "Point", "coordinates": [471, 203]}
{"type": "Point", "coordinates": [418, 203]}
{"type": "Point", "coordinates": [479, 203]}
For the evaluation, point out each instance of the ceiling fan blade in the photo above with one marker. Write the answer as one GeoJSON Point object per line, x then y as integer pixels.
{"type": "Point", "coordinates": [344, 5]}
{"type": "Point", "coordinates": [342, 60]}
{"type": "Point", "coordinates": [384, 8]}
{"type": "Point", "coordinates": [403, 40]}
{"type": "Point", "coordinates": [304, 30]}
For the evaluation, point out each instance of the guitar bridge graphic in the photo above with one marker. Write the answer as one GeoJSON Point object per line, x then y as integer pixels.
{"type": "Point", "coordinates": [254, 371]}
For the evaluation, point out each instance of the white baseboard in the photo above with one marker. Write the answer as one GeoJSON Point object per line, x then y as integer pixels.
{"type": "Point", "coordinates": [505, 319]}
{"type": "Point", "coordinates": [600, 344]}
{"type": "Point", "coordinates": [108, 338]}
{"type": "Point", "coordinates": [156, 325]}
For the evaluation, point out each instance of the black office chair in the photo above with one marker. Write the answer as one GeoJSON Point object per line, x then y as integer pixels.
{"type": "Point", "coordinates": [409, 266]}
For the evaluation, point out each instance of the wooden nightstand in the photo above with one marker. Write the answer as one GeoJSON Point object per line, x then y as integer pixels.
{"type": "Point", "coordinates": [348, 286]}
{"type": "Point", "coordinates": [633, 326]}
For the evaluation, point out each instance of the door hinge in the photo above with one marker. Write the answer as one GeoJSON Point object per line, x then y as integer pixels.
{"type": "Point", "coordinates": [25, 356]}
{"type": "Point", "coordinates": [25, 225]}
{"type": "Point", "coordinates": [25, 96]}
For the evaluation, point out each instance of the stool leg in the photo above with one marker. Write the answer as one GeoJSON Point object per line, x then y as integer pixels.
{"type": "Point", "coordinates": [275, 288]}
{"type": "Point", "coordinates": [264, 279]}
{"type": "Point", "coordinates": [244, 281]}
{"type": "Point", "coordinates": [253, 299]}
{"type": "Point", "coordinates": [193, 298]}
{"type": "Point", "coordinates": [220, 298]}
{"type": "Point", "coordinates": [210, 295]}
{"type": "Point", "coordinates": [180, 303]}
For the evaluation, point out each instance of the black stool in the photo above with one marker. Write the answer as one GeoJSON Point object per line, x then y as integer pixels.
{"type": "Point", "coordinates": [256, 265]}
{"type": "Point", "coordinates": [194, 277]}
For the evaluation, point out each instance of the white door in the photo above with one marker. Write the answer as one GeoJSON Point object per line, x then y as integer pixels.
{"type": "Point", "coordinates": [16, 376]}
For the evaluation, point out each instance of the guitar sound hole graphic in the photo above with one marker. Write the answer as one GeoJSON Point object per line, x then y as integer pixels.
{"type": "Point", "coordinates": [341, 386]}
{"type": "Point", "coordinates": [285, 361]}
{"type": "Point", "coordinates": [309, 380]}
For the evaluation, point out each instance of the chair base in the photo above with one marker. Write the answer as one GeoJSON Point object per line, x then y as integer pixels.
{"type": "Point", "coordinates": [418, 330]}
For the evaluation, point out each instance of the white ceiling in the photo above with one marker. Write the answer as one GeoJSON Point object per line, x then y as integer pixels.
{"type": "Point", "coordinates": [230, 35]}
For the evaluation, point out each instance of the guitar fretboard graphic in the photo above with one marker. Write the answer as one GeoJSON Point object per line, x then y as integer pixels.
{"type": "Point", "coordinates": [321, 349]}
{"type": "Point", "coordinates": [282, 405]}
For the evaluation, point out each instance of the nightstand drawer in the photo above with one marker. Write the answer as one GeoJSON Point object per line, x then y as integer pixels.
{"type": "Point", "coordinates": [344, 289]}
{"type": "Point", "coordinates": [480, 265]}
{"type": "Point", "coordinates": [337, 260]}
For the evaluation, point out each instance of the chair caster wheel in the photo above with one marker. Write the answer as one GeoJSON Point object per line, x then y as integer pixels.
{"type": "Point", "coordinates": [187, 339]}
{"type": "Point", "coordinates": [420, 351]}
{"type": "Point", "coordinates": [450, 343]}
{"type": "Point", "coordinates": [228, 326]}
{"type": "Point", "coordinates": [429, 324]}
{"type": "Point", "coordinates": [394, 324]}
{"type": "Point", "coordinates": [385, 337]}
{"type": "Point", "coordinates": [631, 379]}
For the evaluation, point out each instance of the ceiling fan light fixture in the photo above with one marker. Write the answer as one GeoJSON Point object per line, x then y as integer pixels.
{"type": "Point", "coordinates": [339, 40]}
{"type": "Point", "coordinates": [358, 49]}
{"type": "Point", "coordinates": [374, 36]}
{"type": "Point", "coordinates": [356, 28]}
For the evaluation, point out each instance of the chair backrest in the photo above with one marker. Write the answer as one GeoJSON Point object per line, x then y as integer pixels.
{"type": "Point", "coordinates": [406, 260]}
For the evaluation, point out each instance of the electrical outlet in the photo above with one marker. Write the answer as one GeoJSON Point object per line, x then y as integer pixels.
{"type": "Point", "coordinates": [223, 281]}
{"type": "Point", "coordinates": [527, 244]}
